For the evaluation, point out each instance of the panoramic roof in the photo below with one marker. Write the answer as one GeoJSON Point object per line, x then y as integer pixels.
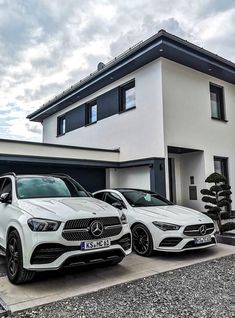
{"type": "Point", "coordinates": [162, 44]}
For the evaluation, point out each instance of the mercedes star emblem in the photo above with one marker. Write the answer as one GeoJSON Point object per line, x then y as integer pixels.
{"type": "Point", "coordinates": [202, 229]}
{"type": "Point", "coordinates": [96, 228]}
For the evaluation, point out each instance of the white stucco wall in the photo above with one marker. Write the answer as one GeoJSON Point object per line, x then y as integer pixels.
{"type": "Point", "coordinates": [136, 177]}
{"type": "Point", "coordinates": [187, 116]}
{"type": "Point", "coordinates": [138, 132]}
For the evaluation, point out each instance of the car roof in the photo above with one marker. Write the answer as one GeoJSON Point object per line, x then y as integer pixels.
{"type": "Point", "coordinates": [34, 175]}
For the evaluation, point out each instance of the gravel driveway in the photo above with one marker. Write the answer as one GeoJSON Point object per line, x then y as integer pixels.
{"type": "Point", "coordinates": [204, 290]}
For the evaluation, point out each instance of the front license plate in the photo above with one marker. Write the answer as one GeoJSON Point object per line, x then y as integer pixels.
{"type": "Point", "coordinates": [95, 244]}
{"type": "Point", "coordinates": [201, 240]}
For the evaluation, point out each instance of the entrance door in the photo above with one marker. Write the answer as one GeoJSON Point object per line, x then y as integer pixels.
{"type": "Point", "coordinates": [171, 170]}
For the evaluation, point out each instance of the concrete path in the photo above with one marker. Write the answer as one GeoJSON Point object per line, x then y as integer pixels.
{"type": "Point", "coordinates": [55, 286]}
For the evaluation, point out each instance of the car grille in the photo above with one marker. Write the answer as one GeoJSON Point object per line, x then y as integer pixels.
{"type": "Point", "coordinates": [79, 230]}
{"type": "Point", "coordinates": [170, 241]}
{"type": "Point", "coordinates": [194, 230]}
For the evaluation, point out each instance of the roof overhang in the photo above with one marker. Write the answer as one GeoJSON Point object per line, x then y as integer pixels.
{"type": "Point", "coordinates": [162, 44]}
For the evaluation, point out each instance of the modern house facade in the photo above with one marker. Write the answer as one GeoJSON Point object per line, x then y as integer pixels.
{"type": "Point", "coordinates": [165, 107]}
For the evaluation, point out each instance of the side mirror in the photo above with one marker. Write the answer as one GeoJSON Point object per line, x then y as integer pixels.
{"type": "Point", "coordinates": [4, 198]}
{"type": "Point", "coordinates": [118, 205]}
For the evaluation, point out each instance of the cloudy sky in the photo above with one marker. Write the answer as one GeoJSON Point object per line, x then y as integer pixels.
{"type": "Point", "coordinates": [46, 46]}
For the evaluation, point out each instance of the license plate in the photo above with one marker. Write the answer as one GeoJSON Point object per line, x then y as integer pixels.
{"type": "Point", "coordinates": [95, 244]}
{"type": "Point", "coordinates": [201, 240]}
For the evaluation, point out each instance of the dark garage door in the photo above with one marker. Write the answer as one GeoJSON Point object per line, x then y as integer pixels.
{"type": "Point", "coordinates": [91, 179]}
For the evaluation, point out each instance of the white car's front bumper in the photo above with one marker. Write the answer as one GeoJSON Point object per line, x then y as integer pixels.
{"type": "Point", "coordinates": [177, 241]}
{"type": "Point", "coordinates": [50, 251]}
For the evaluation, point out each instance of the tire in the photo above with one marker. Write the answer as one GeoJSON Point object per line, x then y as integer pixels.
{"type": "Point", "coordinates": [142, 242]}
{"type": "Point", "coordinates": [14, 261]}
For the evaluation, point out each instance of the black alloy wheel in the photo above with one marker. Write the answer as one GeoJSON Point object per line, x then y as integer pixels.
{"type": "Point", "coordinates": [16, 273]}
{"type": "Point", "coordinates": [142, 242]}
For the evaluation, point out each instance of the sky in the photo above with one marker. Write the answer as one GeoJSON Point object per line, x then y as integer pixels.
{"type": "Point", "coordinates": [47, 46]}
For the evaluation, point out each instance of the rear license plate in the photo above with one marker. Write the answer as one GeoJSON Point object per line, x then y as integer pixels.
{"type": "Point", "coordinates": [95, 244]}
{"type": "Point", "coordinates": [201, 240]}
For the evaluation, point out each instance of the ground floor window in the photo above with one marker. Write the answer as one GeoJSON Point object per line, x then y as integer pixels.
{"type": "Point", "coordinates": [221, 166]}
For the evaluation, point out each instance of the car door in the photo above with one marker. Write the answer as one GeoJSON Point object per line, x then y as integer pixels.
{"type": "Point", "coordinates": [5, 187]}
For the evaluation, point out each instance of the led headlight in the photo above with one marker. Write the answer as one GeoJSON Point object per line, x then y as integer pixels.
{"type": "Point", "coordinates": [42, 225]}
{"type": "Point", "coordinates": [123, 219]}
{"type": "Point", "coordinates": [166, 226]}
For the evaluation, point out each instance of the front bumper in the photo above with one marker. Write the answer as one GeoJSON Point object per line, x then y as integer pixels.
{"type": "Point", "coordinates": [50, 251]}
{"type": "Point", "coordinates": [177, 241]}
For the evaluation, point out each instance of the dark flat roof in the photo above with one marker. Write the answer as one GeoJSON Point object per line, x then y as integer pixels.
{"type": "Point", "coordinates": [162, 44]}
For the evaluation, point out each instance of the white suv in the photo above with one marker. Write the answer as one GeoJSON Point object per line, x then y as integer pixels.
{"type": "Point", "coordinates": [50, 221]}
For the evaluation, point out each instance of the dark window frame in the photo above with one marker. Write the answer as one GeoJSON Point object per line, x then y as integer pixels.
{"type": "Point", "coordinates": [59, 126]}
{"type": "Point", "coordinates": [225, 168]}
{"type": "Point", "coordinates": [122, 97]}
{"type": "Point", "coordinates": [89, 106]}
{"type": "Point", "coordinates": [219, 91]}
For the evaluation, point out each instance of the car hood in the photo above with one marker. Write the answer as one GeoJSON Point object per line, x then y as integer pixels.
{"type": "Point", "coordinates": [63, 209]}
{"type": "Point", "coordinates": [173, 214]}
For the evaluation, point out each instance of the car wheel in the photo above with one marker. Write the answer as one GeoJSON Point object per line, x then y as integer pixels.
{"type": "Point", "coordinates": [142, 241]}
{"type": "Point", "coordinates": [14, 259]}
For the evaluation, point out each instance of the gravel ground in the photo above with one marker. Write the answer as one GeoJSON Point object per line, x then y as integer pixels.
{"type": "Point", "coordinates": [205, 290]}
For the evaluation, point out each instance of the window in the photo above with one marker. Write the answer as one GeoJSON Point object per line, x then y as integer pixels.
{"type": "Point", "coordinates": [113, 198]}
{"type": "Point", "coordinates": [91, 113]}
{"type": "Point", "coordinates": [61, 126]}
{"type": "Point", "coordinates": [221, 166]}
{"type": "Point", "coordinates": [47, 187]}
{"type": "Point", "coordinates": [127, 96]}
{"type": "Point", "coordinates": [99, 195]}
{"type": "Point", "coordinates": [6, 187]}
{"type": "Point", "coordinates": [217, 102]}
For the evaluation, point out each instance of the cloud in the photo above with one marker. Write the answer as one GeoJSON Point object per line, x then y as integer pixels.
{"type": "Point", "coordinates": [47, 46]}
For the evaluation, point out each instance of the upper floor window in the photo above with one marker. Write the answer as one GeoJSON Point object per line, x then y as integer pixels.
{"type": "Point", "coordinates": [91, 111]}
{"type": "Point", "coordinates": [61, 126]}
{"type": "Point", "coordinates": [127, 96]}
{"type": "Point", "coordinates": [217, 102]}
{"type": "Point", "coordinates": [221, 166]}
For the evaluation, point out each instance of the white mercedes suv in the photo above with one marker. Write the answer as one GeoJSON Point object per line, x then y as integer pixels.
{"type": "Point", "coordinates": [158, 224]}
{"type": "Point", "coordinates": [50, 221]}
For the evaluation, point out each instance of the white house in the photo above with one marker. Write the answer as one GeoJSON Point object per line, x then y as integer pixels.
{"type": "Point", "coordinates": [167, 105]}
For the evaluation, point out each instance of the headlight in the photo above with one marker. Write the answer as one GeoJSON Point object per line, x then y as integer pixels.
{"type": "Point", "coordinates": [123, 219]}
{"type": "Point", "coordinates": [41, 225]}
{"type": "Point", "coordinates": [166, 226]}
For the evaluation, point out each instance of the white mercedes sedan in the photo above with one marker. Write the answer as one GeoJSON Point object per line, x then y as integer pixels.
{"type": "Point", "coordinates": [158, 224]}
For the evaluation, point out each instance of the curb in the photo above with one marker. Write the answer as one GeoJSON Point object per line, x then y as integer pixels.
{"type": "Point", "coordinates": [226, 239]}
{"type": "Point", "coordinates": [4, 310]}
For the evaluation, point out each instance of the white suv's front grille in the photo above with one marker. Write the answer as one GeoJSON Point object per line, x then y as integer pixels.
{"type": "Point", "coordinates": [79, 230]}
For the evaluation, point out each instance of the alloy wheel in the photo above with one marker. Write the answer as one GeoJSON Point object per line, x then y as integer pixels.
{"type": "Point", "coordinates": [140, 239]}
{"type": "Point", "coordinates": [13, 256]}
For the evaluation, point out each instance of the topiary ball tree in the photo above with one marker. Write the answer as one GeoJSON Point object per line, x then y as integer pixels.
{"type": "Point", "coordinates": [217, 197]}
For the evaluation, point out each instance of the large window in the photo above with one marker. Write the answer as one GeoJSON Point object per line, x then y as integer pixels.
{"type": "Point", "coordinates": [217, 102]}
{"type": "Point", "coordinates": [127, 96]}
{"type": "Point", "coordinates": [61, 126]}
{"type": "Point", "coordinates": [221, 166]}
{"type": "Point", "coordinates": [91, 113]}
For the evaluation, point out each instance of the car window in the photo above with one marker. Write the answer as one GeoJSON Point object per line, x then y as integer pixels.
{"type": "Point", "coordinates": [48, 187]}
{"type": "Point", "coordinates": [112, 197]}
{"type": "Point", "coordinates": [1, 184]}
{"type": "Point", "coordinates": [6, 186]}
{"type": "Point", "coordinates": [99, 196]}
{"type": "Point", "coordinates": [145, 198]}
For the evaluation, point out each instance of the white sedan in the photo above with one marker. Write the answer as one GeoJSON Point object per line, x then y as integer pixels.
{"type": "Point", "coordinates": [158, 224]}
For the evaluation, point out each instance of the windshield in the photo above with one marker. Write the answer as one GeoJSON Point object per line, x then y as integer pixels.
{"type": "Point", "coordinates": [139, 198]}
{"type": "Point", "coordinates": [48, 187]}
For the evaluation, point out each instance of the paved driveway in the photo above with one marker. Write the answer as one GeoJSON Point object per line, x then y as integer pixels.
{"type": "Point", "coordinates": [53, 286]}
